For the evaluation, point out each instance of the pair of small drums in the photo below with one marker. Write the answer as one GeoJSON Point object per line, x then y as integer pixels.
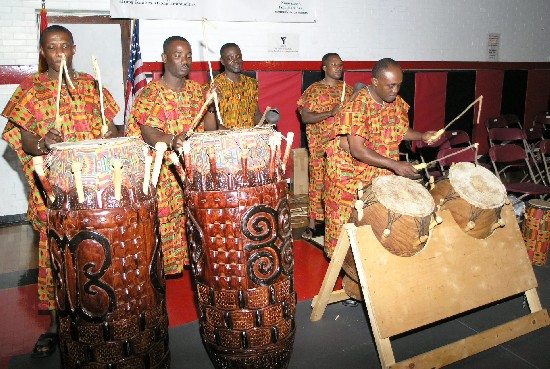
{"type": "Point", "coordinates": [400, 211]}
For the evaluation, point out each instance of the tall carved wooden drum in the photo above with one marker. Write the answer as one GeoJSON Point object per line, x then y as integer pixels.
{"type": "Point", "coordinates": [106, 256]}
{"type": "Point", "coordinates": [474, 196]}
{"type": "Point", "coordinates": [241, 247]}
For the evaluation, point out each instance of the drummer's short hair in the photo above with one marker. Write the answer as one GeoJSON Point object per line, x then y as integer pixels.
{"type": "Point", "coordinates": [383, 65]}
{"type": "Point", "coordinates": [55, 28]}
{"type": "Point", "coordinates": [324, 60]}
{"type": "Point", "coordinates": [227, 46]}
{"type": "Point", "coordinates": [171, 39]}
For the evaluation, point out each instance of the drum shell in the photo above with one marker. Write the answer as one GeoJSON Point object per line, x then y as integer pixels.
{"type": "Point", "coordinates": [243, 264]}
{"type": "Point", "coordinates": [535, 230]}
{"type": "Point", "coordinates": [446, 198]}
{"type": "Point", "coordinates": [408, 234]}
{"type": "Point", "coordinates": [107, 260]}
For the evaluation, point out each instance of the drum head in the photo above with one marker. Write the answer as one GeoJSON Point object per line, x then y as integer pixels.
{"type": "Point", "coordinates": [477, 185]}
{"type": "Point", "coordinates": [403, 196]}
{"type": "Point", "coordinates": [539, 204]}
{"type": "Point", "coordinates": [87, 144]}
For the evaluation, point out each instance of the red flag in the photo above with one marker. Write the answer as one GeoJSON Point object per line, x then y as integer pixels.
{"type": "Point", "coordinates": [42, 65]}
{"type": "Point", "coordinates": [136, 80]}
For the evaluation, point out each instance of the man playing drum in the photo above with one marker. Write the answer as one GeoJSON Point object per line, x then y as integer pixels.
{"type": "Point", "coordinates": [364, 144]}
{"type": "Point", "coordinates": [164, 111]}
{"type": "Point", "coordinates": [34, 124]}
{"type": "Point", "coordinates": [238, 93]}
{"type": "Point", "coordinates": [318, 105]}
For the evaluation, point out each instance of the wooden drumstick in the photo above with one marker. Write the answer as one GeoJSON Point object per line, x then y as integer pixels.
{"type": "Point", "coordinates": [160, 148]}
{"type": "Point", "coordinates": [425, 165]}
{"type": "Point", "coordinates": [199, 115]}
{"type": "Point", "coordinates": [441, 131]}
{"type": "Point", "coordinates": [58, 121]}
{"type": "Point", "coordinates": [176, 161]}
{"type": "Point", "coordinates": [77, 173]}
{"type": "Point", "coordinates": [147, 173]}
{"type": "Point", "coordinates": [104, 126]}
{"type": "Point", "coordinates": [207, 50]}
{"type": "Point", "coordinates": [262, 119]}
{"type": "Point", "coordinates": [343, 92]}
{"type": "Point", "coordinates": [38, 164]}
{"type": "Point", "coordinates": [289, 140]}
{"type": "Point", "coordinates": [117, 178]}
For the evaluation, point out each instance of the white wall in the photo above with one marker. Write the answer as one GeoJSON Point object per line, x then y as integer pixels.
{"type": "Point", "coordinates": [421, 30]}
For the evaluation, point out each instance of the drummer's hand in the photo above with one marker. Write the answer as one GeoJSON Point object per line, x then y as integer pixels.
{"type": "Point", "coordinates": [52, 137]}
{"type": "Point", "coordinates": [405, 169]}
{"type": "Point", "coordinates": [112, 131]}
{"type": "Point", "coordinates": [177, 145]}
{"type": "Point", "coordinates": [336, 110]}
{"type": "Point", "coordinates": [430, 136]}
{"type": "Point", "coordinates": [214, 87]}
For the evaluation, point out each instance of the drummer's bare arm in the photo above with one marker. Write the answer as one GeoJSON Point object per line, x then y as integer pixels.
{"type": "Point", "coordinates": [362, 153]}
{"type": "Point", "coordinates": [152, 135]}
{"type": "Point", "coordinates": [309, 117]}
{"type": "Point", "coordinates": [34, 145]}
{"type": "Point", "coordinates": [257, 116]}
{"type": "Point", "coordinates": [413, 135]}
{"type": "Point", "coordinates": [210, 121]}
{"type": "Point", "coordinates": [112, 131]}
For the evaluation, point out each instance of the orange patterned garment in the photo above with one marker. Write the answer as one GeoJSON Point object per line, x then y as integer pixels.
{"type": "Point", "coordinates": [173, 113]}
{"type": "Point", "coordinates": [33, 108]}
{"type": "Point", "coordinates": [238, 101]}
{"type": "Point", "coordinates": [383, 128]}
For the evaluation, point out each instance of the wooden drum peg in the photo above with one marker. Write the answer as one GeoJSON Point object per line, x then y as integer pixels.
{"type": "Point", "coordinates": [117, 178]}
{"type": "Point", "coordinates": [160, 147]}
{"type": "Point", "coordinates": [38, 164]}
{"type": "Point", "coordinates": [77, 173]}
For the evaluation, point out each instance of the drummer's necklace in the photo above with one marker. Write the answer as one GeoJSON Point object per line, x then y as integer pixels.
{"type": "Point", "coordinates": [383, 105]}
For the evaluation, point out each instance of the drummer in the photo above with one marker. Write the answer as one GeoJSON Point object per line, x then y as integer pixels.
{"type": "Point", "coordinates": [364, 144]}
{"type": "Point", "coordinates": [318, 105]}
{"type": "Point", "coordinates": [165, 111]}
{"type": "Point", "coordinates": [31, 130]}
{"type": "Point", "coordinates": [237, 93]}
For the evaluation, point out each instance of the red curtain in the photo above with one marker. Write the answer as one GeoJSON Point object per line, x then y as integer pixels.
{"type": "Point", "coordinates": [488, 84]}
{"type": "Point", "coordinates": [429, 101]}
{"type": "Point", "coordinates": [538, 93]}
{"type": "Point", "coordinates": [353, 77]}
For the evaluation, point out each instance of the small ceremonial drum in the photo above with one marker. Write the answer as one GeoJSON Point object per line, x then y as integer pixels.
{"type": "Point", "coordinates": [106, 256]}
{"type": "Point", "coordinates": [536, 230]}
{"type": "Point", "coordinates": [240, 243]}
{"type": "Point", "coordinates": [474, 196]}
{"type": "Point", "coordinates": [399, 210]}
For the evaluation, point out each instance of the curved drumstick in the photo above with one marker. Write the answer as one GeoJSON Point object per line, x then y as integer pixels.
{"type": "Point", "coordinates": [425, 165]}
{"type": "Point", "coordinates": [38, 164]}
{"type": "Point", "coordinates": [77, 173]}
{"type": "Point", "coordinates": [97, 73]}
{"type": "Point", "coordinates": [176, 161]}
{"type": "Point", "coordinates": [199, 115]}
{"type": "Point", "coordinates": [261, 122]}
{"type": "Point", "coordinates": [441, 131]}
{"type": "Point", "coordinates": [210, 69]}
{"type": "Point", "coordinates": [117, 177]}
{"type": "Point", "coordinates": [58, 120]}
{"type": "Point", "coordinates": [160, 147]}
{"type": "Point", "coordinates": [343, 92]}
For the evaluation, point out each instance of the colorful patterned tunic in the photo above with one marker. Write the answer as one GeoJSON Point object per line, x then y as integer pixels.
{"type": "Point", "coordinates": [319, 98]}
{"type": "Point", "coordinates": [32, 107]}
{"type": "Point", "coordinates": [238, 102]}
{"type": "Point", "coordinates": [170, 112]}
{"type": "Point", "coordinates": [383, 129]}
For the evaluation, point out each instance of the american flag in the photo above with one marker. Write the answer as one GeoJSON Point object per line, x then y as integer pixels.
{"type": "Point", "coordinates": [136, 80]}
{"type": "Point", "coordinates": [42, 65]}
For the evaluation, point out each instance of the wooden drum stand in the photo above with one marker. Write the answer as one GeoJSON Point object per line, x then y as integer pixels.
{"type": "Point", "coordinates": [453, 274]}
